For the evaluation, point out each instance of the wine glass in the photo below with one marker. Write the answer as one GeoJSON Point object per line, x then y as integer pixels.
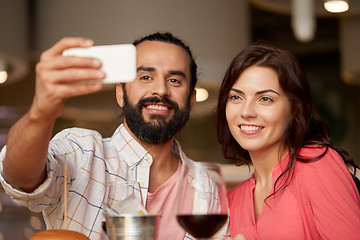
{"type": "Point", "coordinates": [202, 207]}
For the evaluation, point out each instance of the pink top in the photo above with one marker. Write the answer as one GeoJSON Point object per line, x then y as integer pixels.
{"type": "Point", "coordinates": [164, 199]}
{"type": "Point", "coordinates": [322, 202]}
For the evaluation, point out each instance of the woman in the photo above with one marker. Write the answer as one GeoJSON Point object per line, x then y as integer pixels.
{"type": "Point", "coordinates": [301, 188]}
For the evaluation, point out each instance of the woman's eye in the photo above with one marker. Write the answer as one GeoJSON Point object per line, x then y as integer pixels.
{"type": "Point", "coordinates": [266, 99]}
{"type": "Point", "coordinates": [234, 97]}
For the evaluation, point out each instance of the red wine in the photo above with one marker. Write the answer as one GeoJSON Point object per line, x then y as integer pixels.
{"type": "Point", "coordinates": [202, 225]}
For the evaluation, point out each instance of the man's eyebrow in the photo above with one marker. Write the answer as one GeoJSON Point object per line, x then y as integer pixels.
{"type": "Point", "coordinates": [257, 93]}
{"type": "Point", "coordinates": [178, 72]}
{"type": "Point", "coordinates": [152, 69]}
{"type": "Point", "coordinates": [148, 69]}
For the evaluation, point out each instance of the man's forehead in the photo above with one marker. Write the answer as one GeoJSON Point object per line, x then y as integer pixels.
{"type": "Point", "coordinates": [155, 54]}
{"type": "Point", "coordinates": [156, 46]}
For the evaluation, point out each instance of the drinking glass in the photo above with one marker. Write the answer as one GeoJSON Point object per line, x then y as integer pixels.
{"type": "Point", "coordinates": [202, 207]}
{"type": "Point", "coordinates": [123, 197]}
{"type": "Point", "coordinates": [125, 214]}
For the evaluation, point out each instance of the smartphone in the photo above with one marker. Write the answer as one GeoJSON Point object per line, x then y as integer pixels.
{"type": "Point", "coordinates": [118, 61]}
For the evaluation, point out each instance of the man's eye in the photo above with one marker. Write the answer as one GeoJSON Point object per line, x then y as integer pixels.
{"type": "Point", "coordinates": [145, 77]}
{"type": "Point", "coordinates": [174, 80]}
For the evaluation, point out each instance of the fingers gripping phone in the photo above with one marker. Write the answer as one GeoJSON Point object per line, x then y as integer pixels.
{"type": "Point", "coordinates": [118, 61]}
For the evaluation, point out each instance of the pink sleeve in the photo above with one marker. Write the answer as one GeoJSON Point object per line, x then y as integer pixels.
{"type": "Point", "coordinates": [333, 197]}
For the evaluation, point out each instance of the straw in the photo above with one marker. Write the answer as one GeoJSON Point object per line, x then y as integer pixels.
{"type": "Point", "coordinates": [65, 195]}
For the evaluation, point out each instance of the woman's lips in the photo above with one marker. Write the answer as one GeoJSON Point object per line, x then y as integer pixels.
{"type": "Point", "coordinates": [250, 129]}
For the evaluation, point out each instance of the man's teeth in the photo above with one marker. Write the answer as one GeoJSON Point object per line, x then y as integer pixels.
{"type": "Point", "coordinates": [250, 128]}
{"type": "Point", "coordinates": [158, 107]}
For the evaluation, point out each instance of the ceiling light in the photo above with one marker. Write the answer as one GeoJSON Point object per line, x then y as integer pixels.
{"type": "Point", "coordinates": [201, 94]}
{"type": "Point", "coordinates": [303, 20]}
{"type": "Point", "coordinates": [336, 6]}
{"type": "Point", "coordinates": [3, 76]}
{"type": "Point", "coordinates": [3, 72]}
{"type": "Point", "coordinates": [12, 69]}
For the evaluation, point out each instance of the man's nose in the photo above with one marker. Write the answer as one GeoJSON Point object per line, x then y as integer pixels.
{"type": "Point", "coordinates": [161, 88]}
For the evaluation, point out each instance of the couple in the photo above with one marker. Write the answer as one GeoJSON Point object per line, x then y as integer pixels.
{"type": "Point", "coordinates": [301, 187]}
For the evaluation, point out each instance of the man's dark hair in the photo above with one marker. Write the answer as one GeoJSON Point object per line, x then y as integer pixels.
{"type": "Point", "coordinates": [169, 38]}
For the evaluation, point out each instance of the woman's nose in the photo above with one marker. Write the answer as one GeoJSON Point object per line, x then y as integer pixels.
{"type": "Point", "coordinates": [249, 110]}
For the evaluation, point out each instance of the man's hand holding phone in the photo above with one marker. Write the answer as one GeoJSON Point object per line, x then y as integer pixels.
{"type": "Point", "coordinates": [118, 61]}
{"type": "Point", "coordinates": [74, 67]}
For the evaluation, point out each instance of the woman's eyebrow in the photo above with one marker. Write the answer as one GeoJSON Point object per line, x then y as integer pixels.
{"type": "Point", "coordinates": [237, 90]}
{"type": "Point", "coordinates": [257, 93]}
{"type": "Point", "coordinates": [266, 91]}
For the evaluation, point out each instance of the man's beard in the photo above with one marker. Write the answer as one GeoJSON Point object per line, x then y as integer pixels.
{"type": "Point", "coordinates": [157, 130]}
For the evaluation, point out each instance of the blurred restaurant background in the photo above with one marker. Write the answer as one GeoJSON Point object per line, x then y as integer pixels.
{"type": "Point", "coordinates": [327, 45]}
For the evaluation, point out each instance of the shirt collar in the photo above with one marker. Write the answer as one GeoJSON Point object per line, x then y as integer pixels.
{"type": "Point", "coordinates": [132, 151]}
{"type": "Point", "coordinates": [129, 149]}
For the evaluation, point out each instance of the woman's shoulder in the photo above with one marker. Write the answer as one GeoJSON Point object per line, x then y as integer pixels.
{"type": "Point", "coordinates": [313, 151]}
{"type": "Point", "coordinates": [326, 180]}
{"type": "Point", "coordinates": [318, 155]}
{"type": "Point", "coordinates": [321, 162]}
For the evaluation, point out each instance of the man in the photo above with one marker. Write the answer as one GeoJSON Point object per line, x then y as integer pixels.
{"type": "Point", "coordinates": [155, 105]}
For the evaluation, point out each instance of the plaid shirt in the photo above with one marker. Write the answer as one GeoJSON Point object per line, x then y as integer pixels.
{"type": "Point", "coordinates": [92, 162]}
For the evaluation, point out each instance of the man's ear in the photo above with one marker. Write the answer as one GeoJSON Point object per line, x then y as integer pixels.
{"type": "Point", "coordinates": [192, 99]}
{"type": "Point", "coordinates": [119, 95]}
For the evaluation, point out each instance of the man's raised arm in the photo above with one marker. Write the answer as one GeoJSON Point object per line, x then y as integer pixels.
{"type": "Point", "coordinates": [57, 78]}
